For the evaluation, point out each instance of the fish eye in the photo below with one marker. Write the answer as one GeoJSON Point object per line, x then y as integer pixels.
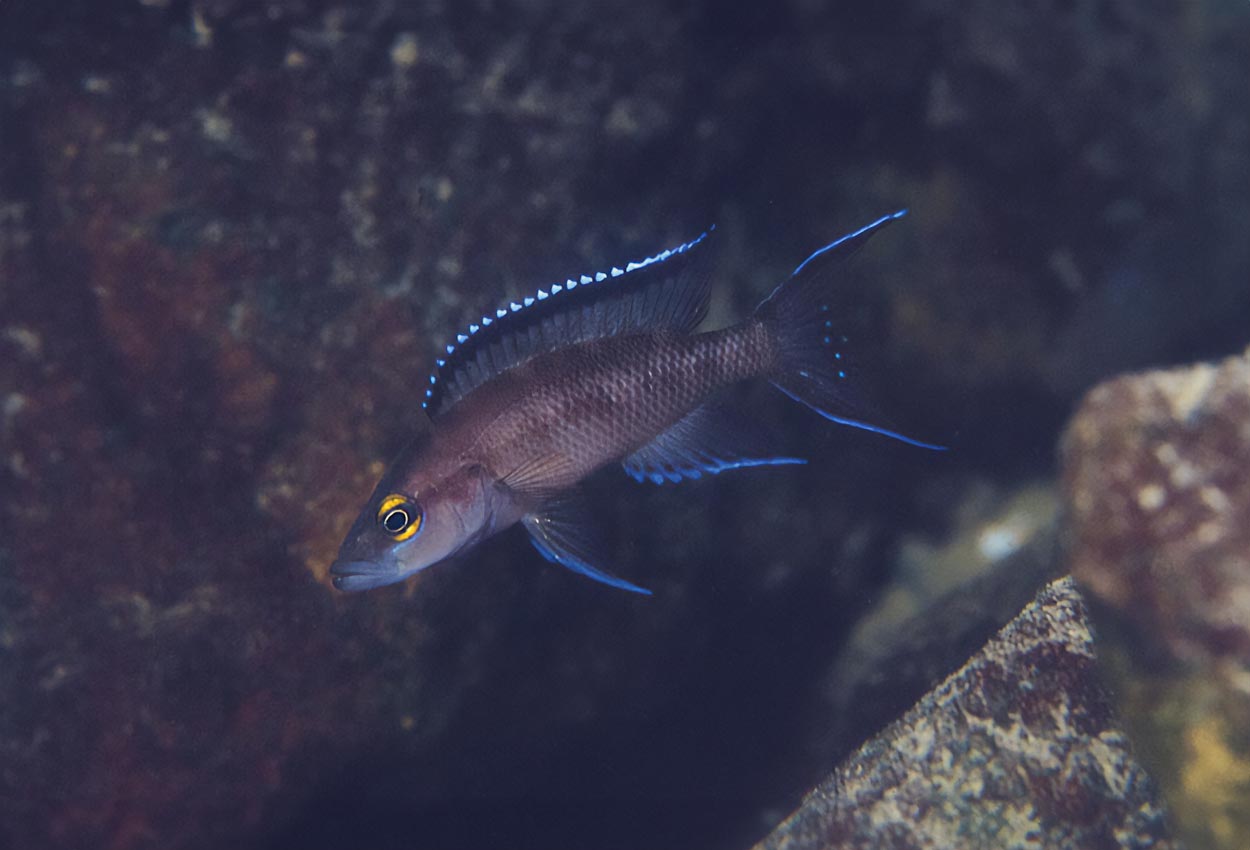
{"type": "Point", "coordinates": [396, 520]}
{"type": "Point", "coordinates": [399, 517]}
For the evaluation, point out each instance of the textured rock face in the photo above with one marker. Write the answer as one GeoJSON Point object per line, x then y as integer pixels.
{"type": "Point", "coordinates": [232, 236]}
{"type": "Point", "coordinates": [1157, 473]}
{"type": "Point", "coordinates": [890, 661]}
{"type": "Point", "coordinates": [1018, 749]}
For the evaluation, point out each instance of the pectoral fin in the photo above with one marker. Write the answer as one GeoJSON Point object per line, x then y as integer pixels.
{"type": "Point", "coordinates": [563, 533]}
{"type": "Point", "coordinates": [710, 439]}
{"type": "Point", "coordinates": [541, 476]}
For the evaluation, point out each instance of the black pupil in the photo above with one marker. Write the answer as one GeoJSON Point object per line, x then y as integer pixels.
{"type": "Point", "coordinates": [395, 521]}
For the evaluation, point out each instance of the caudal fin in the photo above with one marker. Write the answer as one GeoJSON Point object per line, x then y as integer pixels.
{"type": "Point", "coordinates": [814, 366]}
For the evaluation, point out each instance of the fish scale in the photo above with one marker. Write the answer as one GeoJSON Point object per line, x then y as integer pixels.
{"type": "Point", "coordinates": [601, 400]}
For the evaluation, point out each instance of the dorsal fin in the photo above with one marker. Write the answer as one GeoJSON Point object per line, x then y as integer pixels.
{"type": "Point", "coordinates": [668, 291]}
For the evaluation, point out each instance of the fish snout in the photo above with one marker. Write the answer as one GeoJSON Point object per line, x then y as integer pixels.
{"type": "Point", "coordinates": [352, 576]}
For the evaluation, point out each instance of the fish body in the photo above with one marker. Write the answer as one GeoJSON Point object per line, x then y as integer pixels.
{"type": "Point", "coordinates": [573, 411]}
{"type": "Point", "coordinates": [601, 369]}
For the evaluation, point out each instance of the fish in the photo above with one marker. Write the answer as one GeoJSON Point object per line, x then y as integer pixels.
{"type": "Point", "coordinates": [600, 369]}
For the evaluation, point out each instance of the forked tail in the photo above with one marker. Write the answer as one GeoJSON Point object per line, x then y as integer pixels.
{"type": "Point", "coordinates": [813, 366]}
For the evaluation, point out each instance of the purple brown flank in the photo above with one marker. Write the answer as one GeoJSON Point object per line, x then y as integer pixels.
{"type": "Point", "coordinates": [598, 401]}
{"type": "Point", "coordinates": [602, 369]}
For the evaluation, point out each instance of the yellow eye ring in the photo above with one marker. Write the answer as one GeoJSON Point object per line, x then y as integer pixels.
{"type": "Point", "coordinates": [399, 517]}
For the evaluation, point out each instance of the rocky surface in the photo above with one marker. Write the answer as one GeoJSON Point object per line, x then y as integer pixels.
{"type": "Point", "coordinates": [232, 236]}
{"type": "Point", "coordinates": [230, 241]}
{"type": "Point", "coordinates": [1017, 749]}
{"type": "Point", "coordinates": [1155, 474]}
{"type": "Point", "coordinates": [893, 658]}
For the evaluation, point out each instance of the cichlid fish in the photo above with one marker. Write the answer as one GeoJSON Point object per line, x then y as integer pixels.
{"type": "Point", "coordinates": [599, 369]}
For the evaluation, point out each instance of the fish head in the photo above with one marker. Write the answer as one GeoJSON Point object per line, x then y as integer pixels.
{"type": "Point", "coordinates": [415, 519]}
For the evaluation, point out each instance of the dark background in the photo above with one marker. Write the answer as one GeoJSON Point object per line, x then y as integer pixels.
{"type": "Point", "coordinates": [233, 234]}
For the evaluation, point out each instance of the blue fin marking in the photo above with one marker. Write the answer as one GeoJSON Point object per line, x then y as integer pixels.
{"type": "Point", "coordinates": [867, 228]}
{"type": "Point", "coordinates": [855, 423]}
{"type": "Point", "coordinates": [813, 368]}
{"type": "Point", "coordinates": [641, 475]}
{"type": "Point", "coordinates": [710, 439]}
{"type": "Point", "coordinates": [675, 300]}
{"type": "Point", "coordinates": [561, 536]}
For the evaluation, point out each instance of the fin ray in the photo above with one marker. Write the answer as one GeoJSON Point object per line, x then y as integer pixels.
{"type": "Point", "coordinates": [814, 365]}
{"type": "Point", "coordinates": [562, 533]}
{"type": "Point", "coordinates": [540, 475]}
{"type": "Point", "coordinates": [667, 291]}
{"type": "Point", "coordinates": [709, 439]}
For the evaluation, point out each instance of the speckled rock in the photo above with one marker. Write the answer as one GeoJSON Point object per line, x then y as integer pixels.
{"type": "Point", "coordinates": [891, 660]}
{"type": "Point", "coordinates": [233, 234]}
{"type": "Point", "coordinates": [1155, 470]}
{"type": "Point", "coordinates": [1018, 749]}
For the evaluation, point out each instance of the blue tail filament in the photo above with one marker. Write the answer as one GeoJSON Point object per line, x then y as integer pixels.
{"type": "Point", "coordinates": [864, 426]}
{"type": "Point", "coordinates": [812, 366]}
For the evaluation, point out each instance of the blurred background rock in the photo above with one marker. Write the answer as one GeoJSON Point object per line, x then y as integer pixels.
{"type": "Point", "coordinates": [1155, 476]}
{"type": "Point", "coordinates": [232, 235]}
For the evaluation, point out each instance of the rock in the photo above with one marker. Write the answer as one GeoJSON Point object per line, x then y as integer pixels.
{"type": "Point", "coordinates": [232, 237]}
{"type": "Point", "coordinates": [230, 243]}
{"type": "Point", "coordinates": [889, 663]}
{"type": "Point", "coordinates": [1158, 496]}
{"type": "Point", "coordinates": [1017, 749]}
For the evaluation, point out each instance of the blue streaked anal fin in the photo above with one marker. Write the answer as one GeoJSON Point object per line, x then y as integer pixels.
{"type": "Point", "coordinates": [564, 534]}
{"type": "Point", "coordinates": [708, 440]}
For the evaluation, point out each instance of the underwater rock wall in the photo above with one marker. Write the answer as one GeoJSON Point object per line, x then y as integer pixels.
{"type": "Point", "coordinates": [233, 235]}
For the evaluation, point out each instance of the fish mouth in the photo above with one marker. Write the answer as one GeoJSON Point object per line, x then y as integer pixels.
{"type": "Point", "coordinates": [354, 576]}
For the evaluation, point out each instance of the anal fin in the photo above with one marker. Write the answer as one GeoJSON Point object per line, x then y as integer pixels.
{"type": "Point", "coordinates": [709, 439]}
{"type": "Point", "coordinates": [563, 533]}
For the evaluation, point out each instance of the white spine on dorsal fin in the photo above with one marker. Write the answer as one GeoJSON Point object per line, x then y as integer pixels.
{"type": "Point", "coordinates": [469, 368]}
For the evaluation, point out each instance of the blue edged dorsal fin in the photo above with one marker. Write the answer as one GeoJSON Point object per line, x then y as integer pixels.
{"type": "Point", "coordinates": [709, 439]}
{"type": "Point", "coordinates": [563, 533]}
{"type": "Point", "coordinates": [667, 291]}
